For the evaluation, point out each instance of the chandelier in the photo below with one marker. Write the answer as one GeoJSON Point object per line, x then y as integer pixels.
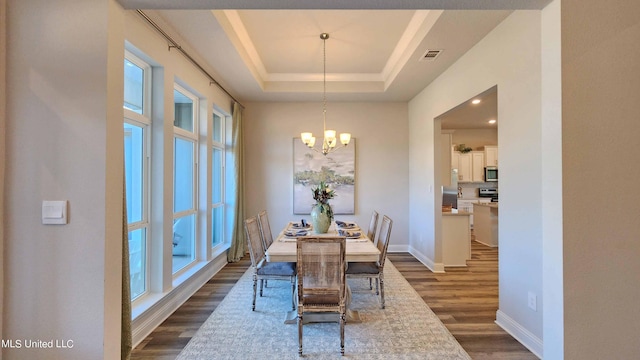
{"type": "Point", "coordinates": [329, 141]}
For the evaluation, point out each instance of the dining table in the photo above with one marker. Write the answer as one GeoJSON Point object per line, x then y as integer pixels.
{"type": "Point", "coordinates": [359, 248]}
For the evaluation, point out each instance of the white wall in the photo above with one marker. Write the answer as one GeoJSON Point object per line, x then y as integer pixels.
{"type": "Point", "coordinates": [600, 87]}
{"type": "Point", "coordinates": [508, 57]}
{"type": "Point", "coordinates": [63, 143]}
{"type": "Point", "coordinates": [381, 133]}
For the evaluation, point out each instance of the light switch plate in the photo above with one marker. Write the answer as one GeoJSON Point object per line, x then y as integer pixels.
{"type": "Point", "coordinates": [54, 212]}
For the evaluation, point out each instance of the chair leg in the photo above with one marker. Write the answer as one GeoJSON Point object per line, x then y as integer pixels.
{"type": "Point", "coordinates": [299, 334]}
{"type": "Point", "coordinates": [377, 286]}
{"type": "Point", "coordinates": [381, 289]}
{"type": "Point", "coordinates": [370, 284]}
{"type": "Point", "coordinates": [255, 285]}
{"type": "Point", "coordinates": [261, 283]}
{"type": "Point", "coordinates": [293, 293]}
{"type": "Point", "coordinates": [343, 319]}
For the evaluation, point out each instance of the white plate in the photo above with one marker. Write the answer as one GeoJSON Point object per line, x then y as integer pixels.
{"type": "Point", "coordinates": [351, 234]}
{"type": "Point", "coordinates": [295, 233]}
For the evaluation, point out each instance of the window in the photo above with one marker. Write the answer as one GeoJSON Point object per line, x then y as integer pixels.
{"type": "Point", "coordinates": [134, 85]}
{"type": "Point", "coordinates": [193, 229]}
{"type": "Point", "coordinates": [217, 179]}
{"type": "Point", "coordinates": [137, 77]}
{"type": "Point", "coordinates": [184, 178]}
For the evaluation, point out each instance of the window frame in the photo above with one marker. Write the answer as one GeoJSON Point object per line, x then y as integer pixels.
{"type": "Point", "coordinates": [191, 136]}
{"type": "Point", "coordinates": [143, 121]}
{"type": "Point", "coordinates": [218, 145]}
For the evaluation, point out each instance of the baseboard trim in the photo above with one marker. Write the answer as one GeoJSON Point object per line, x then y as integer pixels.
{"type": "Point", "coordinates": [433, 266]}
{"type": "Point", "coordinates": [398, 248]}
{"type": "Point", "coordinates": [150, 319]}
{"type": "Point", "coordinates": [524, 336]}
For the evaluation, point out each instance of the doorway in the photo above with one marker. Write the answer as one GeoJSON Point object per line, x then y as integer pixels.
{"type": "Point", "coordinates": [468, 138]}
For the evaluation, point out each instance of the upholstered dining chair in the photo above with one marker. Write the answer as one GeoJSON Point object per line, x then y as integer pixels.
{"type": "Point", "coordinates": [263, 269]}
{"type": "Point", "coordinates": [374, 270]}
{"type": "Point", "coordinates": [321, 280]}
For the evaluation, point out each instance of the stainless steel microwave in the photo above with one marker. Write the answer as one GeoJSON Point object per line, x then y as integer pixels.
{"type": "Point", "coordinates": [491, 173]}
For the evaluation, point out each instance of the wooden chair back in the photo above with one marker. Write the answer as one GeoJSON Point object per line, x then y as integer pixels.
{"type": "Point", "coordinates": [254, 240]}
{"type": "Point", "coordinates": [373, 226]}
{"type": "Point", "coordinates": [265, 229]}
{"type": "Point", "coordinates": [383, 239]}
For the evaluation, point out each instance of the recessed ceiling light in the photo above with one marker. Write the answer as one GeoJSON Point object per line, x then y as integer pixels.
{"type": "Point", "coordinates": [492, 121]}
{"type": "Point", "coordinates": [475, 101]}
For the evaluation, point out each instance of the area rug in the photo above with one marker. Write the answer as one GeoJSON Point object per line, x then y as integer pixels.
{"type": "Point", "coordinates": [405, 329]}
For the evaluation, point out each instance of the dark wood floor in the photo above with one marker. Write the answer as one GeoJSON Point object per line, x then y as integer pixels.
{"type": "Point", "coordinates": [465, 300]}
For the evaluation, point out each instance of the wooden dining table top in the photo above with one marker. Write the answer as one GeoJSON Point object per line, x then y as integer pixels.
{"type": "Point", "coordinates": [360, 249]}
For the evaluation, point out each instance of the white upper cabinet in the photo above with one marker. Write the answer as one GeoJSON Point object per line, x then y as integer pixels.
{"type": "Point", "coordinates": [491, 155]}
{"type": "Point", "coordinates": [464, 166]}
{"type": "Point", "coordinates": [477, 166]}
{"type": "Point", "coordinates": [470, 166]}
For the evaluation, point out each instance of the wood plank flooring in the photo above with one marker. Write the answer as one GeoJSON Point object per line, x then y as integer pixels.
{"type": "Point", "coordinates": [465, 300]}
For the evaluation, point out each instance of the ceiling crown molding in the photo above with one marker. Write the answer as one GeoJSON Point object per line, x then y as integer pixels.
{"type": "Point", "coordinates": [421, 22]}
{"type": "Point", "coordinates": [237, 33]}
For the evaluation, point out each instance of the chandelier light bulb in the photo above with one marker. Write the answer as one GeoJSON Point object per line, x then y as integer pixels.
{"type": "Point", "coordinates": [345, 138]}
{"type": "Point", "coordinates": [306, 137]}
{"type": "Point", "coordinates": [330, 137]}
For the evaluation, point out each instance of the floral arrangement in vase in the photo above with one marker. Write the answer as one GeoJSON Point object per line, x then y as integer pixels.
{"type": "Point", "coordinates": [322, 213]}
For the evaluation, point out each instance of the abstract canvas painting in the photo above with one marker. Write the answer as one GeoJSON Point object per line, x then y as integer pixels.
{"type": "Point", "coordinates": [337, 169]}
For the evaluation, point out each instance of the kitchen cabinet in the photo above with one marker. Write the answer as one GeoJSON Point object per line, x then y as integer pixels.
{"type": "Point", "coordinates": [486, 229]}
{"type": "Point", "coordinates": [456, 239]}
{"type": "Point", "coordinates": [464, 166]}
{"type": "Point", "coordinates": [467, 206]}
{"type": "Point", "coordinates": [470, 166]}
{"type": "Point", "coordinates": [491, 155]}
{"type": "Point", "coordinates": [477, 166]}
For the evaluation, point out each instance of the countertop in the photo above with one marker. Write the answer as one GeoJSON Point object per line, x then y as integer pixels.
{"type": "Point", "coordinates": [491, 205]}
{"type": "Point", "coordinates": [459, 213]}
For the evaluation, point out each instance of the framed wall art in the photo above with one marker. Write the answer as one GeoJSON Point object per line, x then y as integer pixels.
{"type": "Point", "coordinates": [338, 169]}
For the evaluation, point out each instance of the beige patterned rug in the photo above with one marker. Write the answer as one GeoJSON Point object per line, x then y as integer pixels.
{"type": "Point", "coordinates": [406, 329]}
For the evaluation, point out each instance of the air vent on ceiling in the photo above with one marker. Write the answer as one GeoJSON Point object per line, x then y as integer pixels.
{"type": "Point", "coordinates": [430, 55]}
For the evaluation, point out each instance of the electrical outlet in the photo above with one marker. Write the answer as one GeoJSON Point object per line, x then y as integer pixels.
{"type": "Point", "coordinates": [533, 301]}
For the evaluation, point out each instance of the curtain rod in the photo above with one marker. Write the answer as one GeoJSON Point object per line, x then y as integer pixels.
{"type": "Point", "coordinates": [174, 44]}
